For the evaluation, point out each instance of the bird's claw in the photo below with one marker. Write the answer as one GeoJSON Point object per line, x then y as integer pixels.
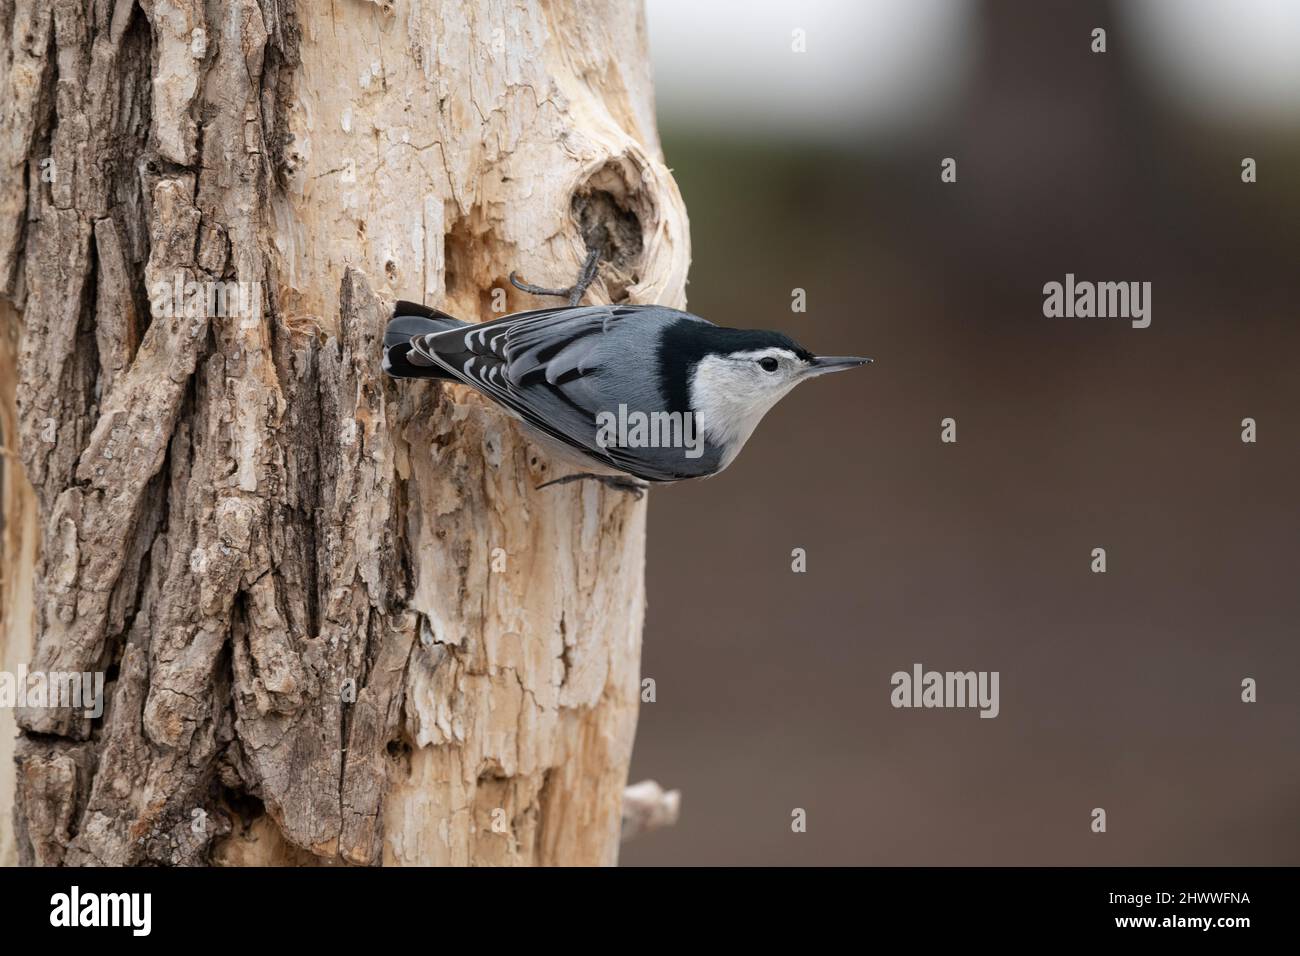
{"type": "Point", "coordinates": [573, 293]}
{"type": "Point", "coordinates": [633, 487]}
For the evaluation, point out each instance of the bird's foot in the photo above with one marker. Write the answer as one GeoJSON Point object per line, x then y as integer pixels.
{"type": "Point", "coordinates": [636, 489]}
{"type": "Point", "coordinates": [573, 293]}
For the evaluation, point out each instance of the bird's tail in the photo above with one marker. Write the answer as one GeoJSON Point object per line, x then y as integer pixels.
{"type": "Point", "coordinates": [410, 320]}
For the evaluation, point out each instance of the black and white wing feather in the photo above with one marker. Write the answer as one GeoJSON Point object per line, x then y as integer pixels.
{"type": "Point", "coordinates": [546, 367]}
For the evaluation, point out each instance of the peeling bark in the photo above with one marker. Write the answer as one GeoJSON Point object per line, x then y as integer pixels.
{"type": "Point", "coordinates": [339, 623]}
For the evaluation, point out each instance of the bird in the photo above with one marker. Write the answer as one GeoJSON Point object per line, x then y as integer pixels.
{"type": "Point", "coordinates": [632, 394]}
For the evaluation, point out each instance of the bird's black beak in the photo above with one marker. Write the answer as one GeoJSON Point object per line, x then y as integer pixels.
{"type": "Point", "coordinates": [823, 364]}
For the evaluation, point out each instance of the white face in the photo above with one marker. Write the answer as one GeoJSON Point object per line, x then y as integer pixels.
{"type": "Point", "coordinates": [732, 393]}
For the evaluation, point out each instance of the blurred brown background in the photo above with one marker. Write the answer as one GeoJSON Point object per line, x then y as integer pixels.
{"type": "Point", "coordinates": [1119, 690]}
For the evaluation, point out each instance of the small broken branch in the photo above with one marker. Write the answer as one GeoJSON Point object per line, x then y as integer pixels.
{"type": "Point", "coordinates": [647, 806]}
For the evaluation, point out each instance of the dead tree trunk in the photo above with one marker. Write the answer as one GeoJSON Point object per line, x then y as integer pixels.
{"type": "Point", "coordinates": [338, 622]}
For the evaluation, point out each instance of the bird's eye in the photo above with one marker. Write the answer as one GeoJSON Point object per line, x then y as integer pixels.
{"type": "Point", "coordinates": [768, 364]}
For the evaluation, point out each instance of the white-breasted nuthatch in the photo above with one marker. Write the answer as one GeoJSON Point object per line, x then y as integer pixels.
{"type": "Point", "coordinates": [628, 391]}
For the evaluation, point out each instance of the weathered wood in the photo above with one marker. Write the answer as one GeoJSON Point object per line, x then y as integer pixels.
{"type": "Point", "coordinates": [339, 621]}
{"type": "Point", "coordinates": [18, 538]}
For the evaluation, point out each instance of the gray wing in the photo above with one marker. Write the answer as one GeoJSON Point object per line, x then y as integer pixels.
{"type": "Point", "coordinates": [552, 369]}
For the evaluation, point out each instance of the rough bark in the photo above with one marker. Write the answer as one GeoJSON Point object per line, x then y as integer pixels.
{"type": "Point", "coordinates": [286, 564]}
